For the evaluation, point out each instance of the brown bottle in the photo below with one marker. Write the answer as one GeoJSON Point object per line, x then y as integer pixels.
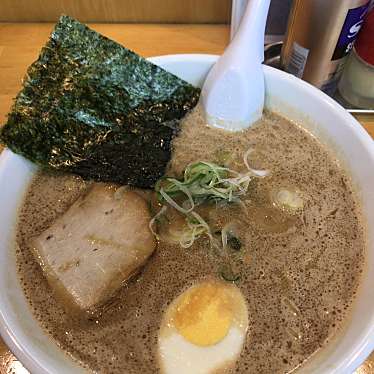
{"type": "Point", "coordinates": [320, 35]}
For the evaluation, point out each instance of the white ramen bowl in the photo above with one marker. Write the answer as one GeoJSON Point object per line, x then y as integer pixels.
{"type": "Point", "coordinates": [285, 95]}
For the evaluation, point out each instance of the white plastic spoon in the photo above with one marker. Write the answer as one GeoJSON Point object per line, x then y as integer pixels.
{"type": "Point", "coordinates": [233, 94]}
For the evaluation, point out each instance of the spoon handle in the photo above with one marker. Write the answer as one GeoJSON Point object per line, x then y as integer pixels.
{"type": "Point", "coordinates": [251, 31]}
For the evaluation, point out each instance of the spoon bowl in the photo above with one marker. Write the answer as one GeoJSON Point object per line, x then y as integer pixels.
{"type": "Point", "coordinates": [234, 92]}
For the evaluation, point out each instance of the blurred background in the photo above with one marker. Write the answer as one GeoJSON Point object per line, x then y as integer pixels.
{"type": "Point", "coordinates": [136, 11]}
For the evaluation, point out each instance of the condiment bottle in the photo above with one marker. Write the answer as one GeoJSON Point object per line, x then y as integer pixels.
{"type": "Point", "coordinates": [357, 83]}
{"type": "Point", "coordinates": [320, 35]}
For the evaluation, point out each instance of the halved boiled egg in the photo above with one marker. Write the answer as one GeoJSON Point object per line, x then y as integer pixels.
{"type": "Point", "coordinates": [203, 330]}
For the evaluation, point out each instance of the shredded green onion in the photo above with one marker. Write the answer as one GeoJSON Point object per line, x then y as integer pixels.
{"type": "Point", "coordinates": [256, 172]}
{"type": "Point", "coordinates": [196, 226]}
{"type": "Point", "coordinates": [154, 220]}
{"type": "Point", "coordinates": [203, 181]}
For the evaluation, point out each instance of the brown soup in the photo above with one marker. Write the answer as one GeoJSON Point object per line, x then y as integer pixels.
{"type": "Point", "coordinates": [298, 272]}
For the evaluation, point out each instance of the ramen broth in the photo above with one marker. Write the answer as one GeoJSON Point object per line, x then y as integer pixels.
{"type": "Point", "coordinates": [298, 272]}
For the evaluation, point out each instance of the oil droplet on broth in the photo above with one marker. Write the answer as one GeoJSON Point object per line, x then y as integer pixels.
{"type": "Point", "coordinates": [271, 219]}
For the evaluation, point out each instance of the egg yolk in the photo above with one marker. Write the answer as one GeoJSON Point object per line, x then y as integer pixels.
{"type": "Point", "coordinates": [204, 314]}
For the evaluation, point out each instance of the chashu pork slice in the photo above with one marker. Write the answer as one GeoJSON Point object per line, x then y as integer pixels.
{"type": "Point", "coordinates": [96, 245]}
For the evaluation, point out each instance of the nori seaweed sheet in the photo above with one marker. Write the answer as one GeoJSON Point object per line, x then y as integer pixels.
{"type": "Point", "coordinates": [91, 107]}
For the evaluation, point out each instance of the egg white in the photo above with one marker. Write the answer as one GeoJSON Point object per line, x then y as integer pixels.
{"type": "Point", "coordinates": [178, 356]}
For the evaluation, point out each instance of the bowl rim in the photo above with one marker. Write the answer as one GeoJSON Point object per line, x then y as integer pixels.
{"type": "Point", "coordinates": [356, 356]}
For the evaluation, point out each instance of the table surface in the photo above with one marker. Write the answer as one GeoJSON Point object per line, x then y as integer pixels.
{"type": "Point", "coordinates": [21, 43]}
